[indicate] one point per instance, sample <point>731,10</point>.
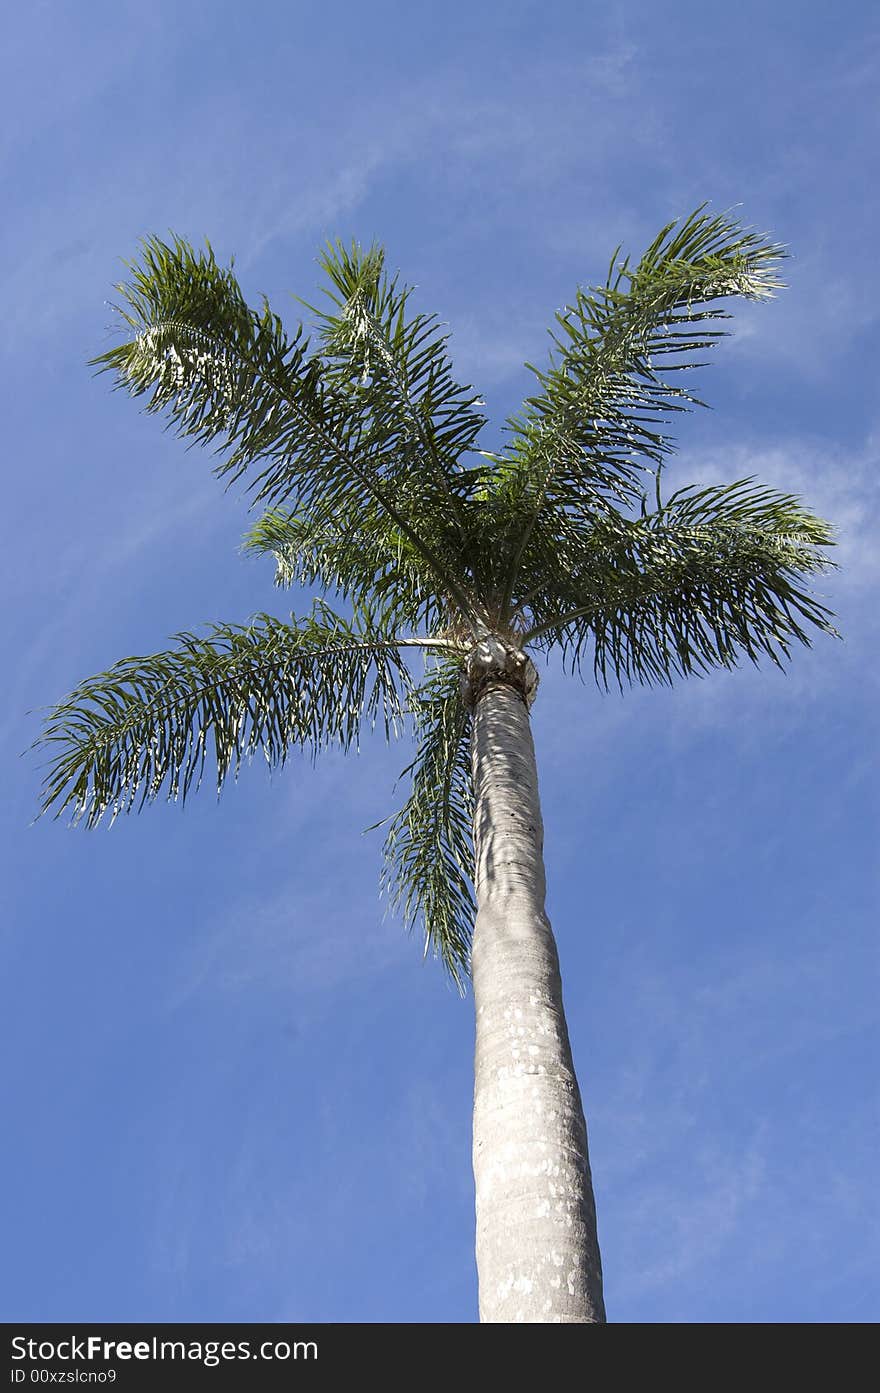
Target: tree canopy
<point>363,450</point>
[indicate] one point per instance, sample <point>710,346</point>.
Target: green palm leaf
<point>429,850</point>
<point>230,375</point>
<point>598,420</point>
<point>709,577</point>
<point>359,559</point>
<point>147,724</point>
<point>399,360</point>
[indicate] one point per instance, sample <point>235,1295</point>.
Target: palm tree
<point>363,450</point>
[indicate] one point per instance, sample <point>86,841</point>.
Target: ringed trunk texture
<point>537,1248</point>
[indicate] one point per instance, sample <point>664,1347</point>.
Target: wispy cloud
<point>303,942</point>
<point>840,484</point>
<point>319,930</point>
<point>678,1229</point>
<point>824,311</point>
<point>160,512</point>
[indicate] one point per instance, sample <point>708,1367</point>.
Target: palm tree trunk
<point>537,1249</point>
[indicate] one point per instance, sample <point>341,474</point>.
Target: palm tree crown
<point>364,451</point>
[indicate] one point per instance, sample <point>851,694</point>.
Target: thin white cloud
<point>841,485</point>
<point>82,574</point>
<point>823,311</point>
<point>325,926</point>
<point>674,1229</point>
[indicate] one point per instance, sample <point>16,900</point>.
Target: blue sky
<point>234,1091</point>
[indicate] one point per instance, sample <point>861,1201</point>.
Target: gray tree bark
<point>537,1248</point>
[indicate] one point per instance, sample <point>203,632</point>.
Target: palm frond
<point>400,361</point>
<point>711,576</point>
<point>428,865</point>
<point>147,724</point>
<point>229,375</point>
<point>225,373</point>
<point>393,362</point>
<point>599,419</point>
<point>358,559</point>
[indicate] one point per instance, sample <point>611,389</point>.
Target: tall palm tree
<point>363,448</point>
